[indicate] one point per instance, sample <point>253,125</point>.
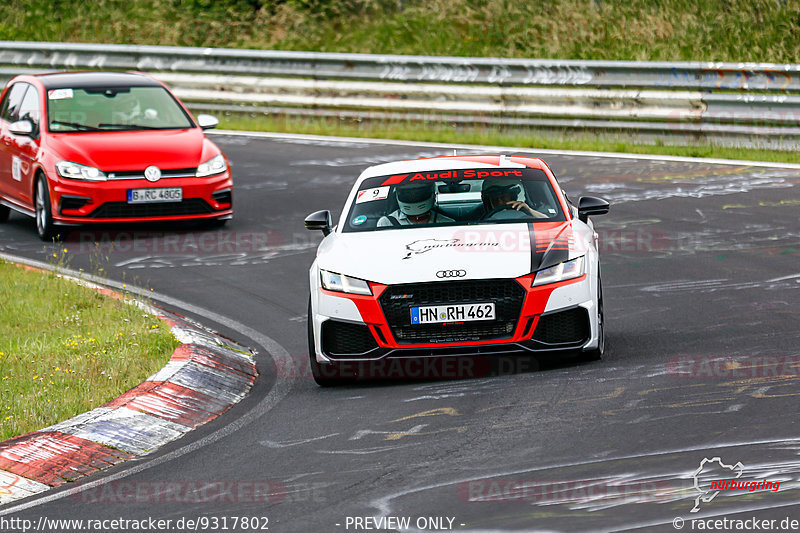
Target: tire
<point>322,375</point>
<point>4,213</point>
<point>597,353</point>
<point>44,217</point>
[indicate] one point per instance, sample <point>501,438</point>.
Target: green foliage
<point>656,30</point>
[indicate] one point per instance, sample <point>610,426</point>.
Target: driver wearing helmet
<point>126,108</point>
<point>501,200</point>
<point>415,206</point>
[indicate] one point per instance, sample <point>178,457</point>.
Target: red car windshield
<point>113,109</point>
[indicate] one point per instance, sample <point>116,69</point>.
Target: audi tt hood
<point>132,150</point>
<point>461,252</point>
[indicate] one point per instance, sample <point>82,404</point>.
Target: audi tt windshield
<point>453,197</point>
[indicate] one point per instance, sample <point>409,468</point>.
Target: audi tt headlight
<point>215,165</point>
<point>74,171</point>
<point>561,272</point>
<point>342,283</point>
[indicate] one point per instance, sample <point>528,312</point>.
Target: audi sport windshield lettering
<point>453,197</point>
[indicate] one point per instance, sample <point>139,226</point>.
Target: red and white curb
<point>205,376</point>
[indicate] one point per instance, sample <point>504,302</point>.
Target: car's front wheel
<point>597,353</point>
<point>4,212</point>
<point>44,217</point>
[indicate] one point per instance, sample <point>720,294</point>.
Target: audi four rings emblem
<point>451,274</point>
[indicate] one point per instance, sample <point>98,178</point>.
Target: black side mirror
<point>320,220</point>
<point>591,206</point>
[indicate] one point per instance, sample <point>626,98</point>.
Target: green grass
<point>65,349</point>
<point>446,133</point>
<point>658,30</point>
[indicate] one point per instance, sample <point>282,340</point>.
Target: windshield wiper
<point>79,127</point>
<point>129,127</point>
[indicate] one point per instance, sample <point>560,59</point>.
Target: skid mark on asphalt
<point>713,285</point>
<point>432,412</point>
<point>214,260</point>
<point>699,183</point>
<point>287,444</point>
<point>510,500</point>
<point>365,451</point>
<point>390,435</point>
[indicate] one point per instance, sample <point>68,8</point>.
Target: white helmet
<point>416,199</point>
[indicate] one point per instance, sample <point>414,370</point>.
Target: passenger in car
<point>416,205</point>
<point>504,199</point>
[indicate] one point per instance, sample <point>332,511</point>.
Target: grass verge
<point>448,133</point>
<point>65,349</point>
<point>662,30</point>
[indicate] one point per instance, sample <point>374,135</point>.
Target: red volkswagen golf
<point>100,147</point>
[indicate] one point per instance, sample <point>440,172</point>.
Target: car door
<point>9,113</point>
<point>25,147</point>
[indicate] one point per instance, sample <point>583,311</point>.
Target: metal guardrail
<point>746,104</point>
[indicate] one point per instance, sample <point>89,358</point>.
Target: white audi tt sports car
<point>450,257</point>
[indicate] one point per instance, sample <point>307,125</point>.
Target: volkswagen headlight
<point>215,165</point>
<point>74,171</point>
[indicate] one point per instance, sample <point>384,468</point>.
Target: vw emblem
<point>152,173</point>
<point>451,274</point>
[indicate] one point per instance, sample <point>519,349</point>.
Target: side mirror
<point>320,220</point>
<point>207,122</point>
<point>591,206</point>
<point>22,127</point>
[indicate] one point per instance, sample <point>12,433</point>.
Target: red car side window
<point>30,108</point>
<point>9,110</point>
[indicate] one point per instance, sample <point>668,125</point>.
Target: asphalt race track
<point>702,285</point>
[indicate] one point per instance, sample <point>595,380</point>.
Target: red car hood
<point>132,150</point>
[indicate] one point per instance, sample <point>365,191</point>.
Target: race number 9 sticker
<point>370,195</point>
